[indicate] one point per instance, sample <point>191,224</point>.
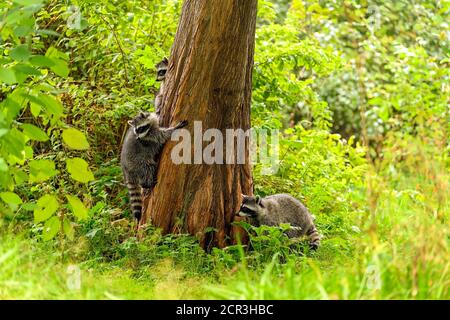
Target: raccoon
<point>161,69</point>
<point>139,157</point>
<point>281,208</point>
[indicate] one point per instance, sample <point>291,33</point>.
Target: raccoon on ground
<point>281,208</point>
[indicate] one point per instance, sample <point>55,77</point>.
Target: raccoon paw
<point>146,191</point>
<point>148,187</point>
<point>182,124</point>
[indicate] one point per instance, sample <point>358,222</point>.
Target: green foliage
<point>339,79</point>
<point>46,206</point>
<point>285,68</point>
<point>31,117</point>
<point>79,170</point>
<point>75,139</point>
<point>34,133</point>
<point>32,272</point>
<point>77,207</point>
<point>405,257</point>
<point>41,170</point>
<point>395,53</point>
<point>51,228</point>
<point>11,198</point>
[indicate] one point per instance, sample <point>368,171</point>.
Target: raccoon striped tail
<point>135,194</point>
<point>314,237</point>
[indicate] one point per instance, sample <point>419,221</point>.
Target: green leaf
<point>20,53</point>
<point>12,199</point>
<point>79,171</point>
<point>34,132</point>
<point>20,176</point>
<point>26,70</point>
<point>20,17</point>
<point>35,109</point>
<point>28,2</point>
<point>376,101</point>
<point>51,228</point>
<point>68,229</point>
<point>25,27</point>
<point>14,143</point>
<point>48,32</point>
<point>60,68</point>
<point>60,62</point>
<point>383,113</point>
<point>51,104</point>
<point>23,71</point>
<point>29,206</point>
<point>41,170</point>
<point>46,207</point>
<point>13,105</point>
<point>7,75</point>
<point>75,139</point>
<point>41,61</point>
<point>3,131</point>
<point>3,165</point>
<point>28,152</point>
<point>52,52</point>
<point>77,207</point>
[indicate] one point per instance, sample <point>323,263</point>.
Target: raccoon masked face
<point>161,69</point>
<point>143,124</point>
<point>250,206</point>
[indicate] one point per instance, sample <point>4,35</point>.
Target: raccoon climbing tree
<point>209,80</point>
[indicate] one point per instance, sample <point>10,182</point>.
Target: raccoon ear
<point>258,201</point>
<point>165,60</point>
<point>130,122</point>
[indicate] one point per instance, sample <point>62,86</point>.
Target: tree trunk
<point>209,80</point>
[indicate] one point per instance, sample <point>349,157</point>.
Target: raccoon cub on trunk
<point>161,70</point>
<point>281,208</point>
<point>140,151</point>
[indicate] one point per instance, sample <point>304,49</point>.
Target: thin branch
<point>120,48</point>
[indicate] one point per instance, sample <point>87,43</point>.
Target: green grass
<point>400,251</point>
<point>386,237</point>
<point>27,272</point>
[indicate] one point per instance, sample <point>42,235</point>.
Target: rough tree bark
<point>209,80</point>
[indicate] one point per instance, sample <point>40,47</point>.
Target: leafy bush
<point>33,129</point>
<point>358,92</point>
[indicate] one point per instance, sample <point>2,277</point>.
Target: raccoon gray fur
<point>161,70</point>
<point>139,157</point>
<point>281,208</point>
